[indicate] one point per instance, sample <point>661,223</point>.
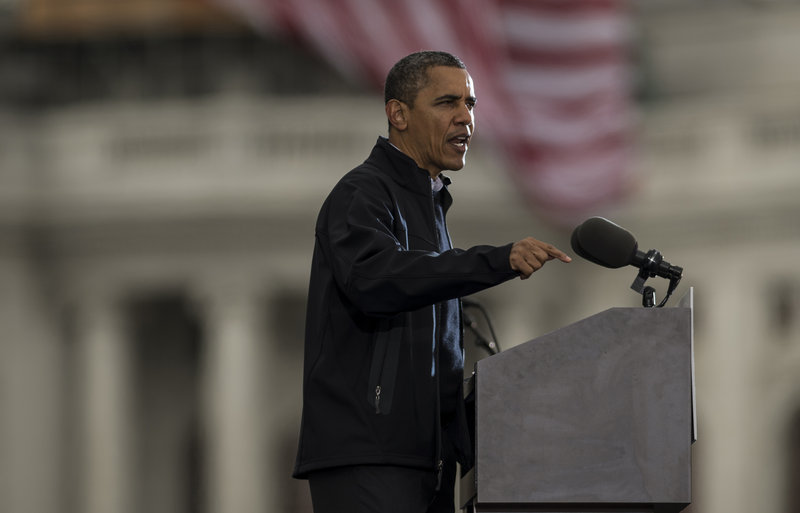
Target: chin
<point>458,166</point>
<point>453,165</point>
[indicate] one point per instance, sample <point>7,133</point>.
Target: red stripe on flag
<point>568,5</point>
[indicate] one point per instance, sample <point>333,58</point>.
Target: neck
<point>397,140</point>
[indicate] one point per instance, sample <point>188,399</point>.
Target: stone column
<point>31,402</point>
<point>104,360</point>
<point>727,390</point>
<point>234,400</point>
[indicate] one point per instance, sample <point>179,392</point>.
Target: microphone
<point>605,243</point>
<point>600,241</point>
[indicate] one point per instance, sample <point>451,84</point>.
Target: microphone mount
<point>489,344</point>
<point>651,265</point>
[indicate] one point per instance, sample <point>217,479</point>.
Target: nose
<point>464,115</point>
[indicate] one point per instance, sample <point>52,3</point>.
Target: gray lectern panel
<point>598,412</point>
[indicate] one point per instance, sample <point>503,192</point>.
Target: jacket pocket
<point>385,360</point>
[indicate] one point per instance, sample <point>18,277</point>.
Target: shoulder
<point>385,174</point>
<point>371,176</point>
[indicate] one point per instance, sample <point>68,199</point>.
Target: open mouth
<point>460,142</point>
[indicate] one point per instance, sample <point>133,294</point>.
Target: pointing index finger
<point>557,253</point>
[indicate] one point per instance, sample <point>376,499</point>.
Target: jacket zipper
<point>383,369</point>
<point>439,467</point>
<point>439,461</point>
<point>376,373</point>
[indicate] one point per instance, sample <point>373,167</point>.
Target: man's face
<point>441,122</point>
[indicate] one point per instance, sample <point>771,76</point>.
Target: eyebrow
<point>454,97</point>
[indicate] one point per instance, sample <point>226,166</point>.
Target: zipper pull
<point>378,399</point>
<point>439,471</point>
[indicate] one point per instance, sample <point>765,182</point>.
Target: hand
<point>529,255</point>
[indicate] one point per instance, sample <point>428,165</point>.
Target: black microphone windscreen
<point>600,241</point>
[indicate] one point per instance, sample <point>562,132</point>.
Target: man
<point>384,421</point>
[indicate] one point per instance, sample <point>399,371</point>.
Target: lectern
<point>597,416</point>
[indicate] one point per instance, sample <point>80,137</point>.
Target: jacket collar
<point>404,170</point>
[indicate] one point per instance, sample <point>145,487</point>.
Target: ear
<point>396,114</point>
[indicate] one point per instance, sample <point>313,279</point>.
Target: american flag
<point>552,77</point>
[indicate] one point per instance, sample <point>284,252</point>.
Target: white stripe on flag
<point>542,123</point>
<point>532,29</point>
<point>567,83</point>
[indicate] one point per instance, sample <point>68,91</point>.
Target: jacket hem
<point>302,471</point>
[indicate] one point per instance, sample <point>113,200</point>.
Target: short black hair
<point>410,74</point>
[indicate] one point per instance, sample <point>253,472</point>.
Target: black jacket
<point>370,394</point>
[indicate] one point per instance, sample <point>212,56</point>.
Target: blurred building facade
<point>161,167</point>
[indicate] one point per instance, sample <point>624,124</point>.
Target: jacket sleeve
<point>377,271</point>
